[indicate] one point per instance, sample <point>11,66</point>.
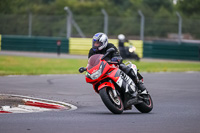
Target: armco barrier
<point>36,44</point>
<point>171,50</point>
<point>82,46</point>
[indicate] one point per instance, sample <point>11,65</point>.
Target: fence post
<point>105,21</point>
<point>141,25</point>
<point>179,27</point>
<point>68,23</point>
<point>71,21</point>
<point>78,28</point>
<point>30,24</point>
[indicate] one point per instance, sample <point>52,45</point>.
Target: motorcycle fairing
<point>122,80</point>
<point>106,84</point>
<point>105,71</point>
<point>102,66</point>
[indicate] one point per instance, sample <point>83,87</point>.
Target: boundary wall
<point>172,50</point>
<point>34,44</point>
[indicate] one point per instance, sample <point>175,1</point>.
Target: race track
<point>176,98</point>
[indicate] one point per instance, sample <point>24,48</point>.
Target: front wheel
<point>115,105</point>
<point>147,105</point>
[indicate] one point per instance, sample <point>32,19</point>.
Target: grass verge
<point>16,65</point>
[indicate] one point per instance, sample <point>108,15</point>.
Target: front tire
<point>115,105</point>
<point>147,105</point>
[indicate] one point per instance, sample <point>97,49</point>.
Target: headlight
<point>132,49</point>
<point>96,75</point>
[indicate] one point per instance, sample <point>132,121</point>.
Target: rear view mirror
<point>82,69</point>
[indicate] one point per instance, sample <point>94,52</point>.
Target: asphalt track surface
<point>175,96</point>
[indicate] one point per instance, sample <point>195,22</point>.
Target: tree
<point>189,7</point>
<point>155,5</point>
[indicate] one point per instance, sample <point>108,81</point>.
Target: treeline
<point>93,7</point>
<point>160,15</point>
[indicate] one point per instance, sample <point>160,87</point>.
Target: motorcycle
<point>128,52</point>
<point>113,85</point>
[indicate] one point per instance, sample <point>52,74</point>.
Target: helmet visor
<point>97,44</point>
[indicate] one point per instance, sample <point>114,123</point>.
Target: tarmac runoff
<point>25,104</point>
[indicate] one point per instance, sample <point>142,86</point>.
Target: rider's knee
<point>125,68</point>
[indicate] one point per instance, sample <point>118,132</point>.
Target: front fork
<point>108,84</point>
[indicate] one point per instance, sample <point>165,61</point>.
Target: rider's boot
<point>142,89</point>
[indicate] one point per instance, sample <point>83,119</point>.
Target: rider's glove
<point>115,59</point>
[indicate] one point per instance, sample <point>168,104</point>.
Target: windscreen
<point>94,60</point>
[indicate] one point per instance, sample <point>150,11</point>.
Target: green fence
<point>35,44</point>
<point>156,49</point>
<point>171,50</point>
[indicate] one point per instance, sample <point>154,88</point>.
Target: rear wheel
<point>115,105</point>
<point>147,105</point>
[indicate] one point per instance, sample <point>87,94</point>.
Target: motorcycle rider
<point>121,41</point>
<point>100,45</point>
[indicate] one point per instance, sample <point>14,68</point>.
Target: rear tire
<point>146,106</point>
<point>115,105</point>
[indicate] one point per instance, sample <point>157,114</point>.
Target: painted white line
<point>33,108</point>
<point>48,75</point>
<point>15,109</point>
<point>191,72</point>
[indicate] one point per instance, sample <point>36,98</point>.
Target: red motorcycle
<point>113,85</point>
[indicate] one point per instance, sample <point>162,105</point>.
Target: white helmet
<point>102,38</point>
<point>121,37</point>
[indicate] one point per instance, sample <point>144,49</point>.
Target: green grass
<point>168,66</point>
<point>15,65</point>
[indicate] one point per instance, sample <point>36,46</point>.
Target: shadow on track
<point>109,113</point>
